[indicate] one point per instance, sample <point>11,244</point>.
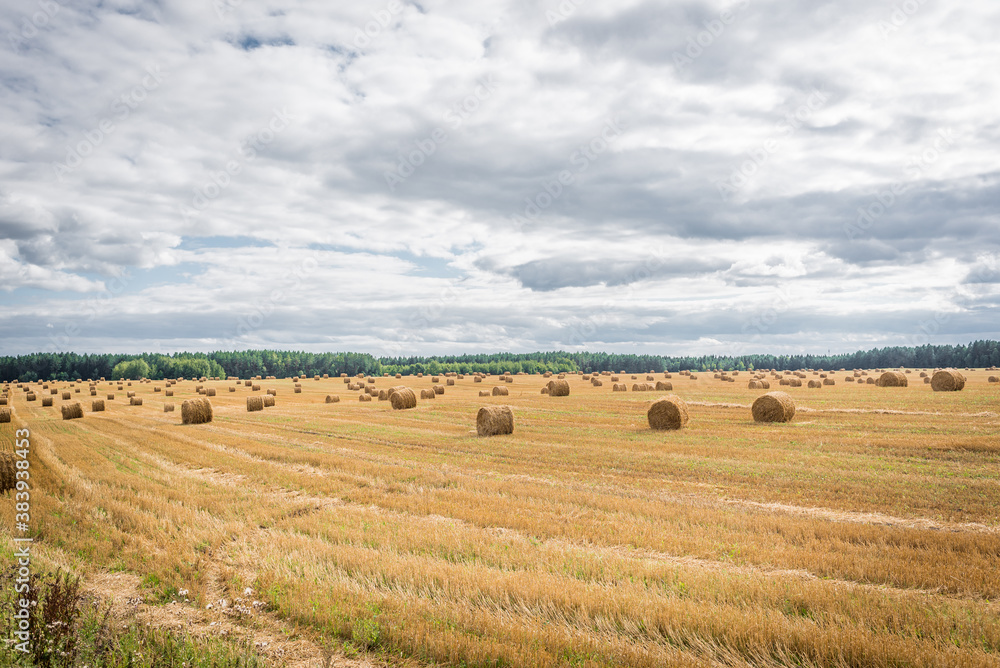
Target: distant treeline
<point>281,363</point>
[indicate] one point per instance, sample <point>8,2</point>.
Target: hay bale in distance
<point>892,379</point>
<point>664,387</point>
<point>5,415</point>
<point>668,412</point>
<point>332,399</point>
<point>97,406</point>
<point>210,392</point>
<point>196,411</point>
<point>168,408</point>
<point>948,380</point>
<point>815,384</point>
<point>545,390</point>
<point>993,379</point>
<point>268,400</point>
<point>73,411</point>
<point>619,387</point>
<point>829,381</point>
<point>364,397</point>
<point>427,394</point>
<point>495,421</point>
<point>8,471</point>
<point>111,397</point>
<point>773,407</point>
<point>66,396</point>
<point>502,391</point>
<point>438,389</point>
<point>558,388</point>
<point>46,402</point>
<point>255,403</point>
<point>135,401</point>
<point>484,393</point>
<point>403,399</point>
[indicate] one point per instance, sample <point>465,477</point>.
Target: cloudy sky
<point>445,176</point>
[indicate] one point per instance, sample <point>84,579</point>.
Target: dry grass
<point>866,532</point>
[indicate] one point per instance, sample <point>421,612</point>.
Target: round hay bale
<point>892,379</point>
<point>495,421</point>
<point>46,401</point>
<point>664,387</point>
<point>794,382</point>
<point>427,394</point>
<point>268,400</point>
<point>558,388</point>
<point>298,390</point>
<point>597,383</point>
<point>8,471</point>
<point>403,399</point>
<point>947,380</point>
<point>135,401</point>
<point>815,384</point>
<point>784,381</point>
<point>668,412</point>
<point>829,381</point>
<point>111,397</point>
<point>168,408</point>
<point>73,411</point>
<point>545,390</point>
<point>993,379</point>
<point>871,381</point>
<point>484,393</point>
<point>383,395</point>
<point>332,398</point>
<point>438,389</point>
<point>502,391</point>
<point>231,389</point>
<point>619,387</point>
<point>477,379</point>
<point>773,407</point>
<point>5,415</point>
<point>255,403</point>
<point>97,406</point>
<point>66,396</point>
<point>435,379</point>
<point>210,392</point>
<point>449,381</point>
<point>196,411</point>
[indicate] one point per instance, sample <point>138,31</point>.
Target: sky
<point>444,177</point>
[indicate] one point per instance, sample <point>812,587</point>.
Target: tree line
<point>283,363</point>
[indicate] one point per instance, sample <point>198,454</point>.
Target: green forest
<point>282,363</point>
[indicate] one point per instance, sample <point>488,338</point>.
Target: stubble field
<point>864,532</point>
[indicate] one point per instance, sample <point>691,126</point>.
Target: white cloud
<point>130,128</point>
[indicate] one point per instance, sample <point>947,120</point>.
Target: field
<point>865,532</point>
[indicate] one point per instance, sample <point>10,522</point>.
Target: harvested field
<point>865,531</point>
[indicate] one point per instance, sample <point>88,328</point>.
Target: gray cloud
<point>132,132</point>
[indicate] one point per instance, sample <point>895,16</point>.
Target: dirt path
<point>278,643</point>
